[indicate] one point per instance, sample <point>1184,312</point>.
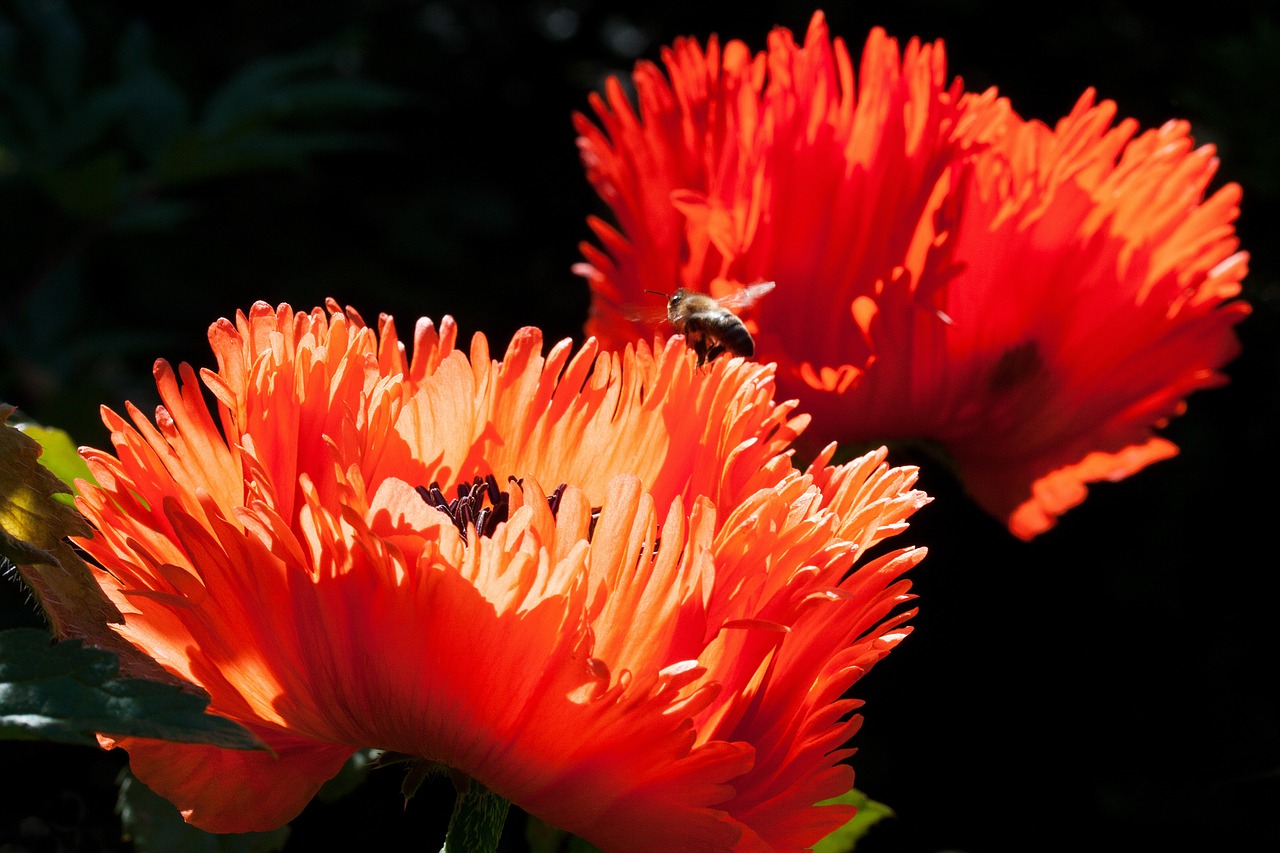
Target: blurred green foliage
<point>91,153</point>
<point>113,153</point>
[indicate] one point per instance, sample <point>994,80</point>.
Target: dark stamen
<point>553,499</point>
<point>469,506</point>
<point>484,505</point>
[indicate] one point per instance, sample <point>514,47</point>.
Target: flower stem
<point>478,816</point>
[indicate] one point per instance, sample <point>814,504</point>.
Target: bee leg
<point>714,352</point>
<point>699,345</point>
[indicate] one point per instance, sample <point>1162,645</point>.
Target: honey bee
<point>709,324</point>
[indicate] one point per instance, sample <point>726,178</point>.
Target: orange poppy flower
<point>636,620</point>
<point>1034,302</point>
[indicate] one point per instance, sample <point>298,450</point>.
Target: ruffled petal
<point>230,790</point>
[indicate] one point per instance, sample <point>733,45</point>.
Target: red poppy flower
<point>637,620</point>
<point>1035,302</point>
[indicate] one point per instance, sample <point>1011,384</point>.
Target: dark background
<point>1111,685</point>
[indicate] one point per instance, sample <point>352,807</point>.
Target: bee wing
<point>746,297</point>
<point>648,314</point>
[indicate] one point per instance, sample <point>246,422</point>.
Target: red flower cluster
<point>594,581</point>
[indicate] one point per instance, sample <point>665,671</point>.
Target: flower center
<point>483,504</point>
<point>480,503</point>
<point>1017,366</point>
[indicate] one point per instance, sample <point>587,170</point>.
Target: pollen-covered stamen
<point>483,504</point>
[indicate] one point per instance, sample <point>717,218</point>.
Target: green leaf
<point>846,837</point>
<point>34,527</point>
<point>68,692</point>
<point>155,826</point>
<point>59,455</point>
